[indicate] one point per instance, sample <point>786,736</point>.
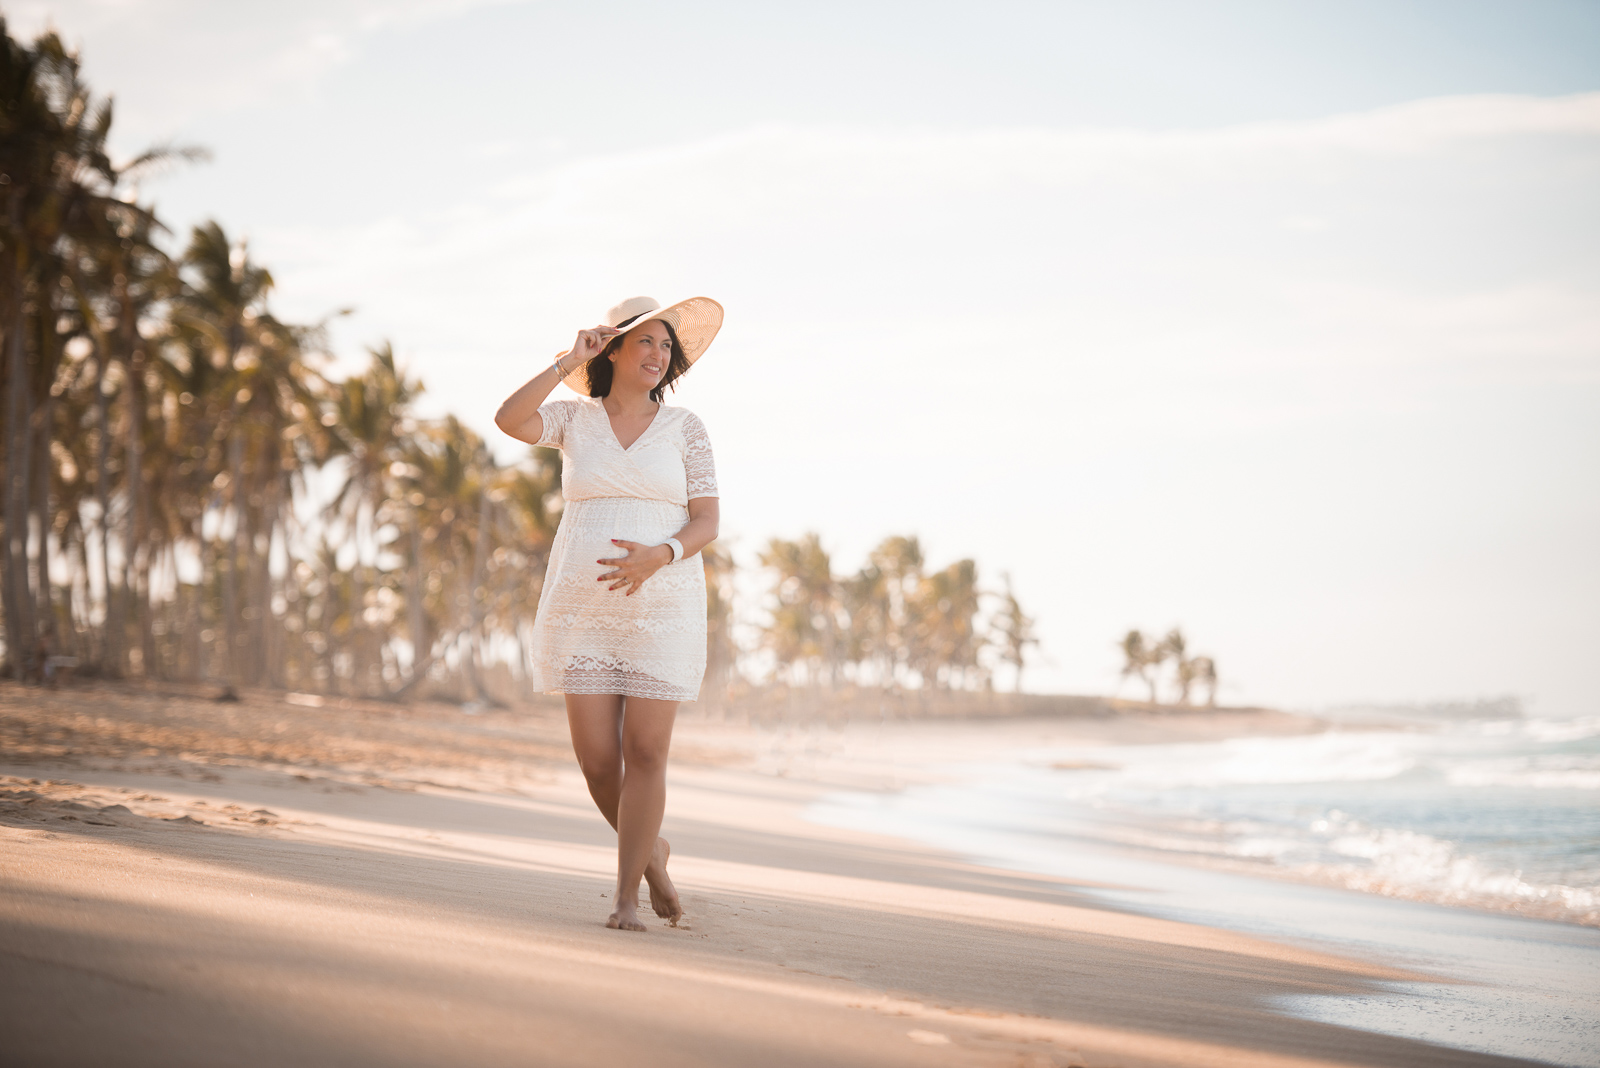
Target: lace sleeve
<point>555,415</point>
<point>698,465</point>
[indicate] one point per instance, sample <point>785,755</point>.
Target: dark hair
<point>599,367</point>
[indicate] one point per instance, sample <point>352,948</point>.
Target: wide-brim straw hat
<point>695,321</point>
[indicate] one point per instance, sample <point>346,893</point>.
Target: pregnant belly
<point>587,526</point>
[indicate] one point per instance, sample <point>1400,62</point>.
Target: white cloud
<point>1181,232</point>
<point>780,163</point>
<point>217,57</point>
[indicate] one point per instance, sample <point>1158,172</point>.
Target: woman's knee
<point>601,769</point>
<point>645,754</point>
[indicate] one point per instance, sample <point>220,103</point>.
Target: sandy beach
<point>268,882</point>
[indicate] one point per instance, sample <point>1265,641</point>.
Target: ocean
<point>1468,847</point>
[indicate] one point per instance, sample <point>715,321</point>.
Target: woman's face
<point>642,357</point>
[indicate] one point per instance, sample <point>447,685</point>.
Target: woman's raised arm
<point>519,415</point>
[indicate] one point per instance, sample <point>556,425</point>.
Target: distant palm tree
<point>531,510</point>
<point>864,598</point>
<point>898,561</point>
<point>721,650</point>
<point>1204,670</point>
<point>370,415</point>
<point>223,314</point>
<point>1175,647</point>
<point>64,227</point>
<point>56,170</point>
<point>804,633</point>
<point>1140,657</point>
<point>946,609</point>
<point>1014,631</point>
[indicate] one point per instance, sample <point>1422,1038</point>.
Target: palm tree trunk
<point>19,417</point>
<point>169,644</point>
<point>44,429</point>
<point>275,645</point>
<point>261,617</point>
<point>290,669</point>
<point>109,653</point>
<point>360,661</point>
<point>80,604</point>
<point>230,572</point>
<point>133,473</point>
<point>245,653</point>
<point>414,608</point>
<point>45,605</point>
<point>132,572</point>
<point>206,660</point>
<point>480,560</point>
<point>19,637</point>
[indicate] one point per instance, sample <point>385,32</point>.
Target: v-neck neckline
<point>612,426</point>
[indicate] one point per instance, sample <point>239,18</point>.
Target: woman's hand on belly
<point>633,569</point>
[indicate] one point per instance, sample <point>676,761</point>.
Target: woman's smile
<point>647,347</point>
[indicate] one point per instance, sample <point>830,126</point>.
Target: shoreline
<point>429,887</point>
<point>1501,982</point>
<point>998,756</point>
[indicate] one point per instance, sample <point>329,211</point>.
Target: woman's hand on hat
<point>632,570</point>
<point>590,342</point>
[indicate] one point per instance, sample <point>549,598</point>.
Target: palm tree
<point>61,212</point>
<point>142,279</point>
<point>1014,631</point>
<point>1140,657</point>
<point>531,511</point>
<point>1204,670</point>
<point>26,126</point>
<point>865,600</point>
<point>721,652</point>
<point>54,169</point>
<point>946,608</point>
<point>804,628</point>
<point>263,389</point>
<point>898,562</point>
<point>448,474</point>
<point>70,490</point>
<point>371,415</point>
<point>223,288</point>
<point>1175,647</point>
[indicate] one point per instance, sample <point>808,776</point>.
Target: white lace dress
<point>588,638</point>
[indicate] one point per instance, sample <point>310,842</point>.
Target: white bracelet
<point>677,548</point>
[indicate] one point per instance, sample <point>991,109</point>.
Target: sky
<point>1277,321</point>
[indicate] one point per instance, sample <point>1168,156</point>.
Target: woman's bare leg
<point>646,738</point>
<point>595,721</point>
<point>622,749</point>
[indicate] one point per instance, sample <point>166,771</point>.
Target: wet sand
<point>185,882</point>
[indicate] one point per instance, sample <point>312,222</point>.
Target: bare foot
<point>663,895</point>
<point>626,917</point>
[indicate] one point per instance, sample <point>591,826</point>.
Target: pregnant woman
<point>621,625</point>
